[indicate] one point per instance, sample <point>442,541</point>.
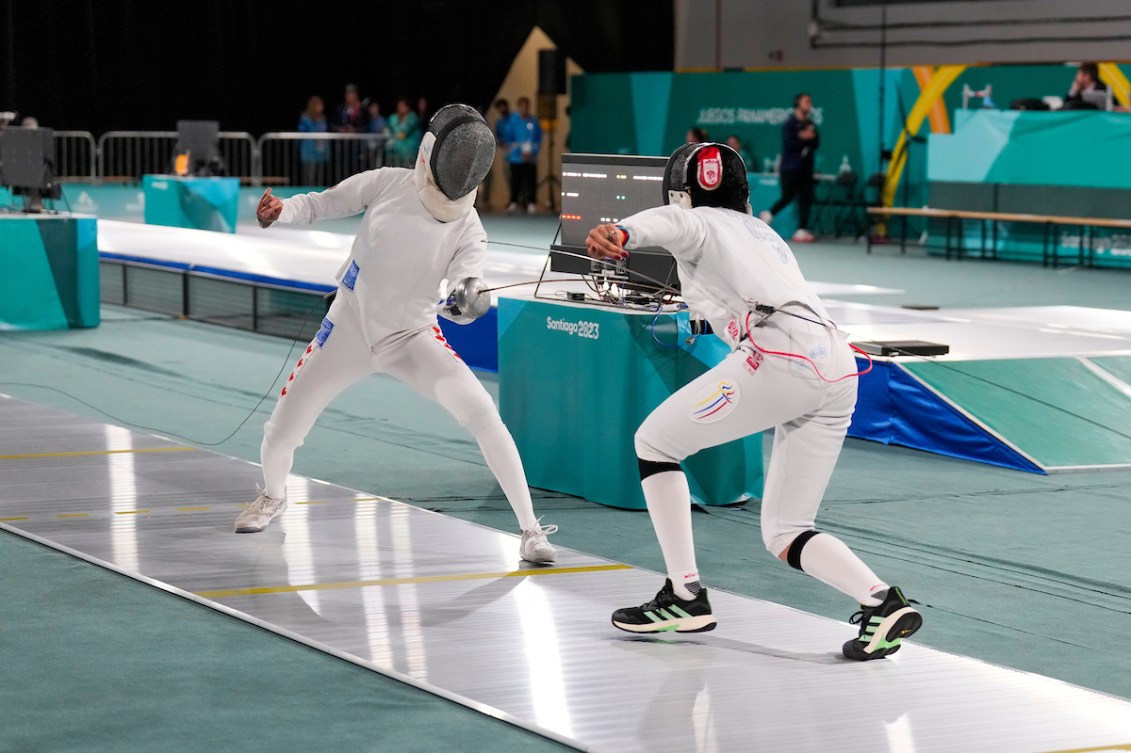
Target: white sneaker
<point>531,209</point>
<point>766,217</point>
<point>512,208</point>
<point>803,236</point>
<point>260,513</point>
<point>534,546</point>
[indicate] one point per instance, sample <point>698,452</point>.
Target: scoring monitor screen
<point>600,188</point>
<point>24,155</point>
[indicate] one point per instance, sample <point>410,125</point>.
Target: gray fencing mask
<point>463,152</point>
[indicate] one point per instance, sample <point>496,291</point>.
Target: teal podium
<point>197,203</point>
<point>50,278</point>
<point>577,380</point>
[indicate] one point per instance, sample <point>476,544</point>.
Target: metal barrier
<point>289,158</point>
<point>294,158</point>
<point>128,155</point>
<point>76,155</point>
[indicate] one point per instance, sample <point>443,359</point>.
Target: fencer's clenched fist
<point>606,242</point>
<point>468,300</point>
<point>269,209</point>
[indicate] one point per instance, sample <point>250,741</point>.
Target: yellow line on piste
<point>1120,746</point>
<point>73,515</point>
<point>404,581</point>
<point>8,520</point>
<point>129,512</point>
<point>80,453</point>
<point>193,509</point>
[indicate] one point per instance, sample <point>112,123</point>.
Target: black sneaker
<point>667,612</point>
<point>883,628</point>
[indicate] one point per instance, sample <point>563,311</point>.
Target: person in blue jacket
<point>314,154</point>
<point>523,140</point>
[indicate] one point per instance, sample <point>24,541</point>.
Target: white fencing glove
<point>468,301</point>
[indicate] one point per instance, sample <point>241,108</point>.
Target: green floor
<point>1017,569</point>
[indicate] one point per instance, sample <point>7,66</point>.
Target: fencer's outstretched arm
<point>352,196</point>
<point>680,231</point>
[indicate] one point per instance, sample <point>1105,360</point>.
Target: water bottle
<point>845,166</point>
<point>767,165</point>
<point>777,163</point>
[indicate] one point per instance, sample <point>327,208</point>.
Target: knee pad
<point>652,467</point>
<point>795,547</point>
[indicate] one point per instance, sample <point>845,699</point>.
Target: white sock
<point>498,448</point>
<point>277,464</point>
<point>669,506</point>
<point>830,561</point>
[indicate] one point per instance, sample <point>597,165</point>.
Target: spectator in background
<point>379,127</point>
<point>1087,80</point>
<point>313,154</point>
<point>496,118</point>
<point>523,138</point>
<point>423,112</point>
<point>736,144</point>
<point>696,136</point>
<point>350,118</point>
<point>799,143</point>
<point>404,136</point>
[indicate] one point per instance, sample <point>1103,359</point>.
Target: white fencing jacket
<point>401,252</point>
<point>728,261</point>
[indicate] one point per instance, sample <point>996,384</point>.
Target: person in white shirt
<point>420,231</point>
<point>790,369</point>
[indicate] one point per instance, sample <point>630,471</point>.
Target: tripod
<point>551,180</point>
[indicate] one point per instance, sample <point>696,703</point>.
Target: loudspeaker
<point>547,107</point>
<point>551,72</point>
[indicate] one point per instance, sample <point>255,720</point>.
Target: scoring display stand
<point>577,380</point>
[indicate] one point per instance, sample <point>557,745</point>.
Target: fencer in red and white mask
<point>790,369</point>
<point>419,235</point>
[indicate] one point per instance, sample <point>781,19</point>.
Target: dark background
<point>99,65</point>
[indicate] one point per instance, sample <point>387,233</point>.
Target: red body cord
<point>808,360</point>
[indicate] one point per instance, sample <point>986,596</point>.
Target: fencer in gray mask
<point>420,239</point>
<point>454,158</point>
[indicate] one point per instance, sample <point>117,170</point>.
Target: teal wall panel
<point>1079,148</point>
<point>51,274</point>
<point>197,203</point>
<point>651,98</point>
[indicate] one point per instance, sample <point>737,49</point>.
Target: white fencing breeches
<point>751,392</point>
<point>424,361</point>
